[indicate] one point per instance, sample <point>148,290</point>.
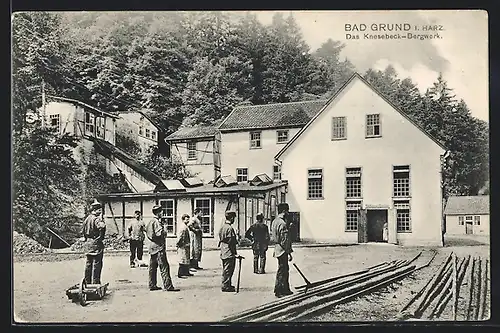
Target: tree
<point>164,167</point>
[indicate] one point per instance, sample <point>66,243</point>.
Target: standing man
<point>136,235</point>
<point>258,233</point>
<point>183,248</point>
<point>196,234</point>
<point>227,243</point>
<point>158,252</point>
<point>93,231</point>
<point>282,251</point>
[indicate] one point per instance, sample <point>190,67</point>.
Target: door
<point>362,230</point>
<point>295,226</point>
<point>468,228</point>
<point>376,219</point>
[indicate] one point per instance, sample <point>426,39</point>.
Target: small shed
<point>468,215</point>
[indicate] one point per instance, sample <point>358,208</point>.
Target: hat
<point>230,214</point>
<point>260,216</point>
<point>95,205</point>
<point>283,207</point>
<point>156,208</point>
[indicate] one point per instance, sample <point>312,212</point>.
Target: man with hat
<point>158,252</point>
<point>93,232</point>
<point>282,251</point>
<point>136,238</point>
<point>258,233</point>
<point>227,243</point>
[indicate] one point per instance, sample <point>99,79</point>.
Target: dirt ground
<point>40,283</point>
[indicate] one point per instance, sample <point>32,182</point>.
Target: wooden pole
<point>454,288</point>
<point>477,298</point>
<point>470,286</point>
<point>50,242</point>
<point>482,297</point>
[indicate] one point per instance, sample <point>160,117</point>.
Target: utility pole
<point>43,103</point>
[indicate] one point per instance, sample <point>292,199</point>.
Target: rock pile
<point>22,244</point>
<point>111,242</point>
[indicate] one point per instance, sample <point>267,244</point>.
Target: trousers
<point>136,248</point>
<point>156,260</point>
<point>282,284</point>
<point>228,266</point>
<point>259,257</point>
<point>93,268</point>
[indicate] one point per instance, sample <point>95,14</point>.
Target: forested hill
<point>193,68</point>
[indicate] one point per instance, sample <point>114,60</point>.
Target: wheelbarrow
<point>83,292</point>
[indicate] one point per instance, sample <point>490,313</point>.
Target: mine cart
<point>83,292</point>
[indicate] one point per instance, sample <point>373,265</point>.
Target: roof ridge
<point>284,103</point>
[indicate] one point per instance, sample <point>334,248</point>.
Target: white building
<point>198,148</point>
<point>359,163</point>
<point>252,135</point>
<point>468,215</point>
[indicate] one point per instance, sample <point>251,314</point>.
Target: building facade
<point>362,171</point>
<point>252,135</point>
<point>198,149</point>
<point>468,215</point>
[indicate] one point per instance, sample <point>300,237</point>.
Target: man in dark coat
<point>258,233</point>
<point>282,251</point>
<point>227,243</point>
<point>93,232</point>
<point>196,236</point>
<point>158,253</point>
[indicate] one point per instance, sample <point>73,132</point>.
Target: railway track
<point>316,297</point>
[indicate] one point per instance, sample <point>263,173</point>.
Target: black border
<point>494,76</point>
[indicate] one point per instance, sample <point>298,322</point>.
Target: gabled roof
<point>335,96</point>
<point>224,181</point>
<point>261,179</point>
<point>83,105</point>
<point>293,114</point>
<point>197,132</point>
<point>191,182</point>
<point>463,205</point>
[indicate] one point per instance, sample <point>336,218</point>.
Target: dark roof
<point>83,105</point>
<point>325,105</point>
<point>107,149</point>
<point>271,115</point>
<point>193,133</point>
<point>241,188</point>
<point>462,205</point>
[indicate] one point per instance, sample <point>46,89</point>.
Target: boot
<point>186,271</point>
<point>180,272</point>
<point>256,265</point>
<point>262,265</point>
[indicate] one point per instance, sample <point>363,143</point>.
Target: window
<point>339,128</point>
<point>242,174</point>
<point>255,140</point>
<point>89,123</point>
<point>373,125</point>
<point>468,218</point>
<point>153,135</point>
<point>141,130</point>
<point>353,183</point>
<point>477,220</point>
<point>55,121</point>
<point>206,217</point>
<point>147,133</point>
<point>460,220</point>
<point>352,215</point>
<point>403,218</point>
<point>315,184</point>
<point>191,147</point>
<point>282,136</point>
<point>100,127</point>
<point>167,207</point>
<point>276,172</point>
<point>401,176</point>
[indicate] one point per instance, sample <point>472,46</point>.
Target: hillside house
<point>80,119</point>
<point>251,135</point>
<point>96,130</point>
<point>468,215</point>
<point>361,165</point>
<point>178,197</point>
<point>198,148</point>
<point>141,128</point>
